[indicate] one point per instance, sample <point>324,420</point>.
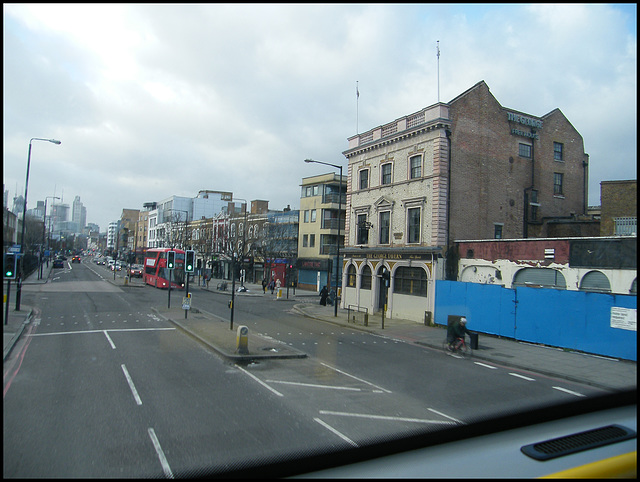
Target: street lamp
<point>44,222</point>
<point>24,219</point>
<point>233,260</point>
<point>335,303</point>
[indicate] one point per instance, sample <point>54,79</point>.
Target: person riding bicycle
<point>457,330</point>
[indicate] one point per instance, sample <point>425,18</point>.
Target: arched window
<point>365,280</point>
<point>540,277</point>
<point>410,281</point>
<point>351,276</point>
<point>595,281</point>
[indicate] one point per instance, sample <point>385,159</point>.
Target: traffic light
<point>189,261</point>
<point>386,277</point>
<point>9,266</point>
<point>171,259</point>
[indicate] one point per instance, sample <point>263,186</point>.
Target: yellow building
<point>319,230</point>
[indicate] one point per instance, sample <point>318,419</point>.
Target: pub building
<point>469,169</point>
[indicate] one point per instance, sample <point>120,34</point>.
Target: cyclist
<point>457,330</point>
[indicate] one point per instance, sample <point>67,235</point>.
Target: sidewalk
<point>216,332</point>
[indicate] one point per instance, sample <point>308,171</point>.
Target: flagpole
<point>438,54</point>
<point>357,100</point>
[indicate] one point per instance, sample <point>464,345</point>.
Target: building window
<point>415,163</point>
<point>365,279</point>
<point>413,225</point>
<point>497,231</point>
<point>305,240</point>
<point>557,152</point>
<point>557,183</point>
<point>313,215</point>
<point>312,240</point>
<point>410,281</point>
<point>351,276</point>
<point>362,232</point>
<point>306,216</point>
<point>524,150</point>
<point>364,179</point>
<point>386,174</point>
<point>385,218</point>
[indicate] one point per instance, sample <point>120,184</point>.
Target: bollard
<point>279,295</point>
<point>242,340</point>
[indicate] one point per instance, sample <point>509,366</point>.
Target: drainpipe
<point>525,227</point>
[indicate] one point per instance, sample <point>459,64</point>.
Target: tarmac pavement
<point>217,333</point>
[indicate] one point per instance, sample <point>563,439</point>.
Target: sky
<point>151,101</point>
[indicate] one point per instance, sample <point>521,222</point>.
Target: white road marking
<point>259,381</point>
<point>384,417</point>
<point>109,339</point>
<point>355,378</point>
<point>486,366</point>
<point>100,331</point>
<point>523,377</point>
<point>446,416</point>
<point>131,385</point>
<point>312,385</point>
<point>569,392</point>
<point>163,460</point>
<point>333,430</point>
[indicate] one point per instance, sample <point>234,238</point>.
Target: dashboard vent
<point>569,444</point>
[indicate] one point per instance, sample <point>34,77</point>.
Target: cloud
<point>156,100</point>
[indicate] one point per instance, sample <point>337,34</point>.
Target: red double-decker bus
<point>156,272</point>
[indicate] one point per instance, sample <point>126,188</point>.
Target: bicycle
<point>458,348</point>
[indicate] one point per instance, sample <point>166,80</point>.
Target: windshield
<point>345,183</point>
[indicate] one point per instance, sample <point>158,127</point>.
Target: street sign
<point>14,249</point>
<point>186,302</point>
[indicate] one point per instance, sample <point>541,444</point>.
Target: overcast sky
<point>151,101</point>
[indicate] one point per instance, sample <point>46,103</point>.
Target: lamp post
<point>233,261</point>
<point>24,220</point>
<point>44,222</point>
<point>335,303</point>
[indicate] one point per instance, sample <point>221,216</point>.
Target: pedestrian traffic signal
<point>189,260</point>
<point>386,277</point>
<point>171,259</point>
<point>9,266</point>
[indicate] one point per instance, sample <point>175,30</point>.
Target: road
<point>102,387</point>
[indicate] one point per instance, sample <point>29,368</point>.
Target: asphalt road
<point>102,387</point>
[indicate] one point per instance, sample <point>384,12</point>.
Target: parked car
<point>75,259</point>
<point>135,270</point>
<point>58,263</point>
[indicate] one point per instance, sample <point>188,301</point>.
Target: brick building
<point>619,211</point>
<point>467,169</point>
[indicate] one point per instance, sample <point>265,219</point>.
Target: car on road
<point>116,266</point>
<point>135,270</point>
<point>58,263</point>
<point>75,259</point>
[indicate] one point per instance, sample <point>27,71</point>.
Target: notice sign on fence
<point>623,318</point>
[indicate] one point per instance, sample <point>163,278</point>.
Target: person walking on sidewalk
<point>264,285</point>
<point>323,296</point>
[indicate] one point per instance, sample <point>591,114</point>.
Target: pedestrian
<point>208,279</point>
<point>278,283</point>
<point>264,285</point>
<point>323,296</point>
<point>272,285</point>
